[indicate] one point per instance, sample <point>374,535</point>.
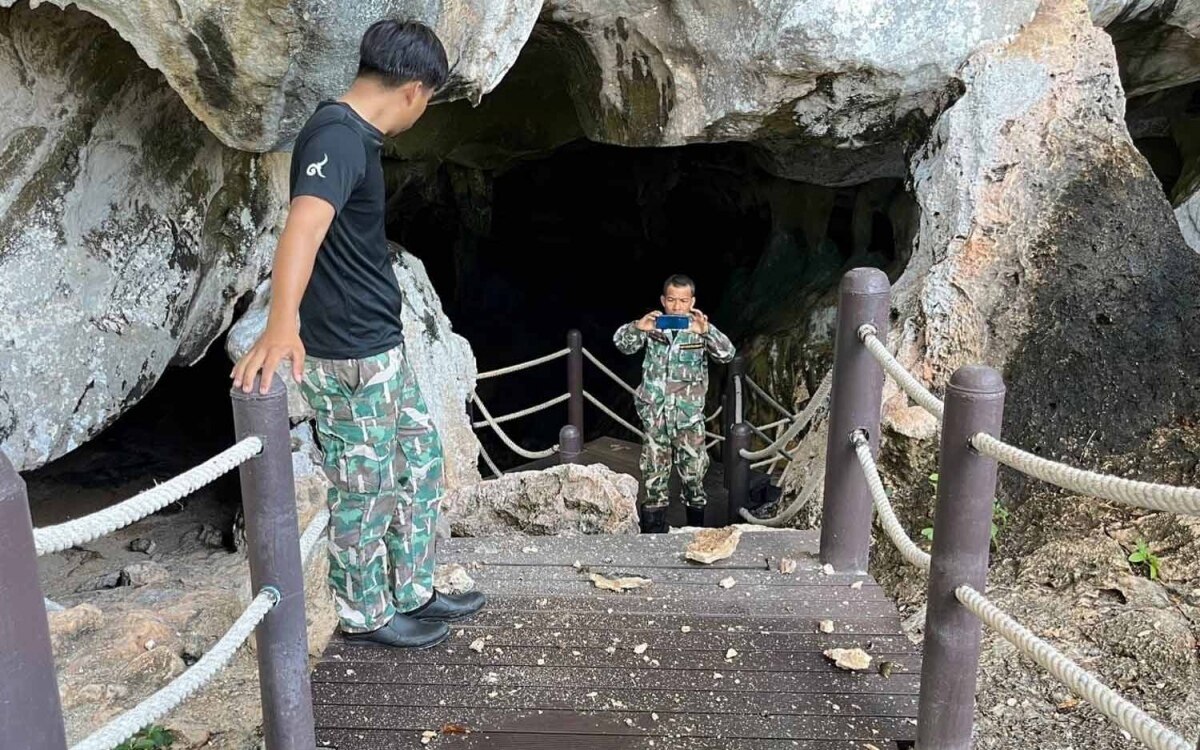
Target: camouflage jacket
<point>675,369</point>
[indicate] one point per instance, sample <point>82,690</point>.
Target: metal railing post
<point>730,413</point>
<point>30,712</point>
<point>273,545</point>
<point>855,401</point>
<point>961,539</point>
<point>570,444</point>
<point>575,379</point>
<point>738,471</point>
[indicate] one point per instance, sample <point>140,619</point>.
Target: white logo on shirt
<point>316,166</point>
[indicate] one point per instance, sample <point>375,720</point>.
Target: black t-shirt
<point>351,308</point>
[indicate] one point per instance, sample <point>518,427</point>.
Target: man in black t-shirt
<point>335,314</point>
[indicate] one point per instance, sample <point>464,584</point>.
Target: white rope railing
<point>612,375</point>
<point>312,536</point>
<point>1162,497</point>
<point>64,536</point>
<point>523,365</point>
<point>776,423</point>
<point>157,705</point>
<point>815,482</point>
<point>770,449</point>
<point>1125,714</point>
<point>490,463</point>
<point>903,378</point>
<point>819,400</point>
<point>525,412</point>
<point>532,455</point>
<point>714,436</point>
<point>913,554</point>
<point>1169,498</point>
<point>711,443</point>
<point>616,417</point>
<point>758,390</point>
<point>715,414</point>
<point>217,658</point>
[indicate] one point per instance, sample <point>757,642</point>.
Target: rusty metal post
<point>731,412</point>
<point>855,402</point>
<point>738,471</point>
<point>273,545</point>
<point>961,539</point>
<point>30,712</point>
<point>575,379</point>
<point>570,444</point>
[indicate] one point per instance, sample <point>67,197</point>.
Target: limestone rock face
<point>830,88</point>
<point>252,70</point>
<point>847,77</point>
<point>127,231</point>
<point>1047,248</point>
<point>1157,41</point>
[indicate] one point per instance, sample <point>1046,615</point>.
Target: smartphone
<point>672,322</point>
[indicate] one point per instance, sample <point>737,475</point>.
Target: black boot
<point>403,632</point>
<point>654,520</point>
<point>695,515</point>
<point>449,607</point>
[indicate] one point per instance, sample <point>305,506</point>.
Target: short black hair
<point>397,52</point>
<point>678,279</point>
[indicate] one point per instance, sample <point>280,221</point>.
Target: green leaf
<point>927,532</point>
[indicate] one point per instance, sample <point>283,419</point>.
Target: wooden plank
<point>620,722</point>
<point>622,657</point>
<point>699,575</point>
<point>375,739</point>
<point>753,605</point>
<point>546,678</point>
<point>563,550</point>
<point>702,592</point>
<point>595,678</point>
<point>693,640</point>
<point>660,701</point>
<point>787,623</point>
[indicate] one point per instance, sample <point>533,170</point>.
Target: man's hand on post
<point>271,348</point>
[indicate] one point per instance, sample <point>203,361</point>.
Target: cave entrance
<point>184,420</point>
<point>583,237</point>
<point>528,228</point>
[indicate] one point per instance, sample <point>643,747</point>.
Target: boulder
<point>560,501</point>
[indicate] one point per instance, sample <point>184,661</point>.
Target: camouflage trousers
<point>383,456</point>
<point>668,444</point>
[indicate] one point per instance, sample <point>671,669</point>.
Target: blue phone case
<point>672,322</point>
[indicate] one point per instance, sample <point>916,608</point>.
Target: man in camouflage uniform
<point>384,458</point>
<point>335,315</point>
<point>670,400</point>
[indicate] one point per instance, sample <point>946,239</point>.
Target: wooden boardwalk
<point>623,456</point>
<point>683,663</point>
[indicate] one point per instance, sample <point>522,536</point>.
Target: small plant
<point>1000,515</point>
<point>927,532</point>
<point>1143,556</point>
<point>152,737</point>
